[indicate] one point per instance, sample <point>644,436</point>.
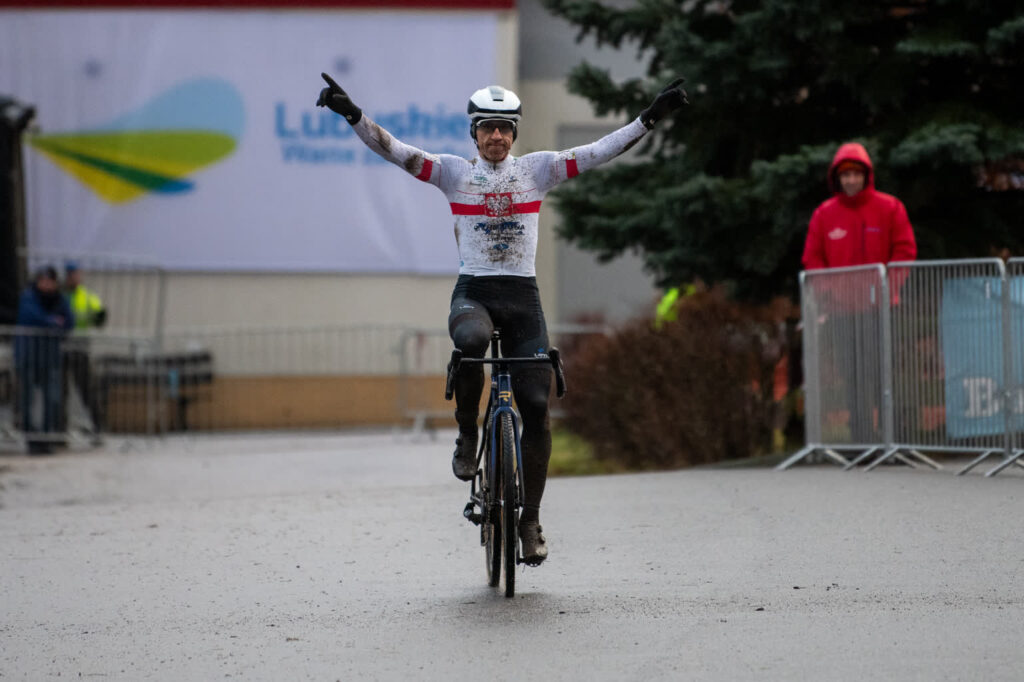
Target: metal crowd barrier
<point>1015,362</point>
<point>912,358</point>
<point>272,378</point>
<point>72,389</point>
<point>52,391</point>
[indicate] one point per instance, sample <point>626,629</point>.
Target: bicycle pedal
<point>471,515</point>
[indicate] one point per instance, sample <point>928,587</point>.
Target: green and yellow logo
<point>155,148</point>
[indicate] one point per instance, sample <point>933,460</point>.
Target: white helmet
<point>494,102</point>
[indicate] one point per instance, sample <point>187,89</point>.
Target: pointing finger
<point>330,82</point>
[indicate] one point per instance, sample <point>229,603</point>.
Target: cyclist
<point>495,199</point>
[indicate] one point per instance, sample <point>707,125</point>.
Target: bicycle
<point>496,492</point>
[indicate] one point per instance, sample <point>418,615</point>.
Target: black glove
<point>668,100</point>
<point>337,100</point>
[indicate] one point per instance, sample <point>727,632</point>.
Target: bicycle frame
<point>499,404</point>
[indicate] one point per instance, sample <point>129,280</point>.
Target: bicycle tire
<point>509,515</point>
<point>491,528</point>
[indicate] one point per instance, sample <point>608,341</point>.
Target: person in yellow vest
<point>85,304</point>
<point>666,310</point>
<point>89,314</point>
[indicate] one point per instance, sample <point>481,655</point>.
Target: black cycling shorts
<point>505,302</point>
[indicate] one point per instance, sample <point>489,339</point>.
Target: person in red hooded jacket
<point>857,226</point>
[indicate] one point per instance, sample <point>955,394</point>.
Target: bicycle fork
<point>501,388</point>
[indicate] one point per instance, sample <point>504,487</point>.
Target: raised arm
<point>418,163</point>
<point>557,167</point>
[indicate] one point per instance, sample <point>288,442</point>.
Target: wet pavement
<point>345,557</point>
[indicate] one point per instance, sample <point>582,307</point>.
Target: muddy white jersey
<point>496,205</point>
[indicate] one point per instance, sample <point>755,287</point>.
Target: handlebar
<point>552,357</point>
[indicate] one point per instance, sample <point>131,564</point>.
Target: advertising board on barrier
<point>972,347</point>
<point>192,137</point>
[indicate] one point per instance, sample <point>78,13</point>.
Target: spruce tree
<point>724,190</point>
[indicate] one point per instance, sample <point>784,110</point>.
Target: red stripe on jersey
<point>481,209</point>
<point>468,209</point>
<point>428,166</point>
<point>571,169</point>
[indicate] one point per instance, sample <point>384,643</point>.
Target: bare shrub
<point>697,390</point>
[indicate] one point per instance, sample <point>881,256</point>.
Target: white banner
<point>192,137</point>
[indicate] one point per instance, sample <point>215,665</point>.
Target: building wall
<point>298,299</point>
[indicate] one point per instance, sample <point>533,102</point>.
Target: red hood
<point>851,151</point>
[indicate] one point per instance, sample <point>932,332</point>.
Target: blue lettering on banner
<point>311,125</point>
<point>304,133</point>
<point>300,153</point>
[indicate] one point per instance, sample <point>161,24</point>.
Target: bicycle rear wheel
<point>509,512</point>
<point>491,526</point>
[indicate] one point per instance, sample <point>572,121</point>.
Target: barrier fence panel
<point>60,388</point>
<point>948,356</point>
<point>1014,333</point>
<point>280,378</point>
<point>844,312</point>
<point>54,393</point>
<point>423,359</point>
<point>949,362</point>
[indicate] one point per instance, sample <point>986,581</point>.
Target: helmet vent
<point>497,93</point>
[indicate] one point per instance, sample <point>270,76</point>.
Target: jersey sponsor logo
<point>837,233</point>
<point>506,226</point>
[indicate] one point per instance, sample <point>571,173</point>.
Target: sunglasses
<point>503,127</point>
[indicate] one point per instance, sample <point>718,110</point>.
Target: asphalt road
<point>344,558</point>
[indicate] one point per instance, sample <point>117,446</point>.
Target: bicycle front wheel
<point>491,527</point>
<point>509,510</point>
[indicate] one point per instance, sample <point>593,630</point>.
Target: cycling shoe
<point>464,459</point>
<point>535,548</point>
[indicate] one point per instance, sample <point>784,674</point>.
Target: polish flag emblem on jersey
<point>837,233</point>
<point>498,205</point>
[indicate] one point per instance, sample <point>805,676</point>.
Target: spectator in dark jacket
<point>45,318</point>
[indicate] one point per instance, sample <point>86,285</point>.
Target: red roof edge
<point>260,4</point>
